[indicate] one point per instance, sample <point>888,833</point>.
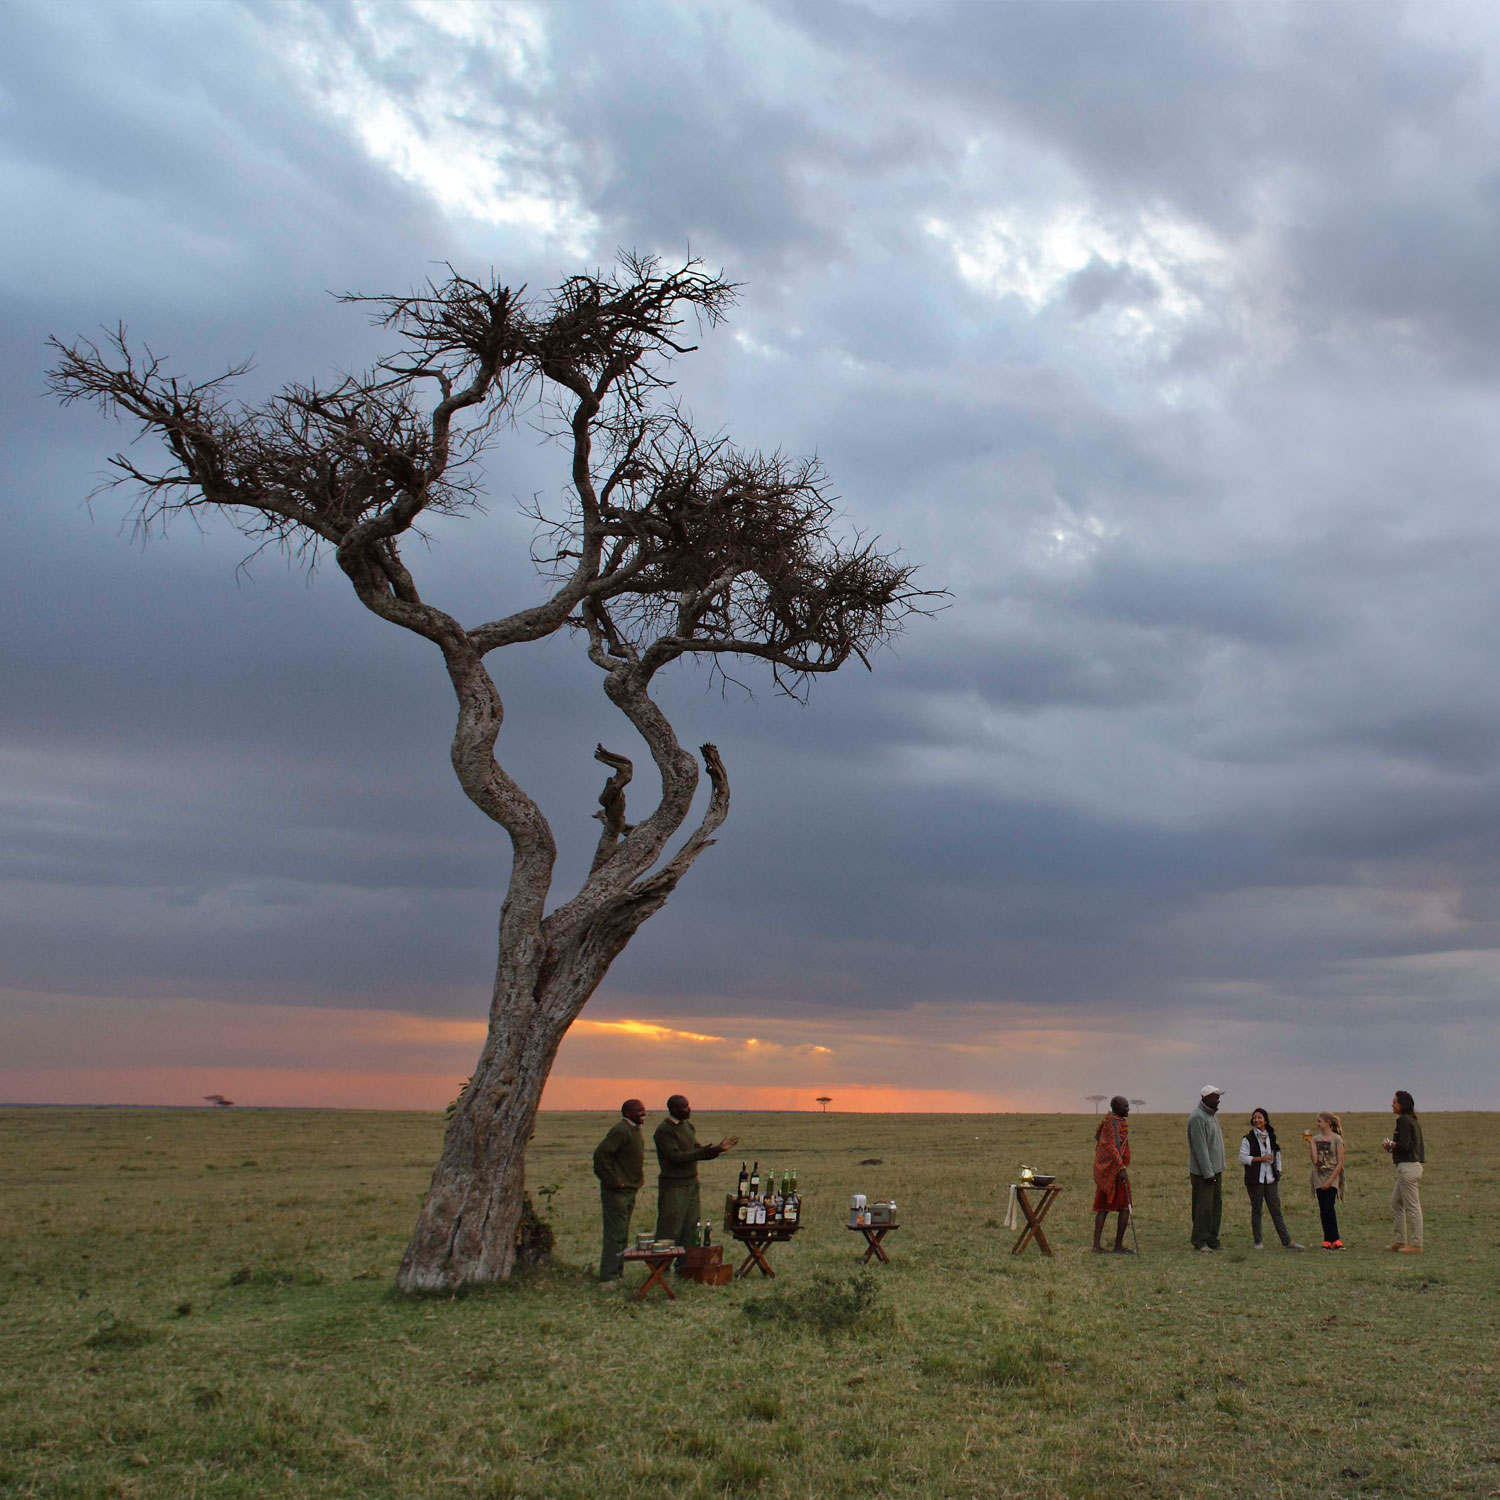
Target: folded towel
<point>1013,1210</point>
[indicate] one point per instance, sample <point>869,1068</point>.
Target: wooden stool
<point>1034,1216</point>
<point>656,1261</point>
<point>873,1234</point>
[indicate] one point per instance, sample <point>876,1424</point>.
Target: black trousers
<point>1269,1195</point>
<point>1327,1199</point>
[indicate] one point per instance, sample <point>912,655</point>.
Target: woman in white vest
<point>1260,1156</point>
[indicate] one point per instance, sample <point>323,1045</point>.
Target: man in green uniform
<point>620,1166</point>
<point>678,1154</point>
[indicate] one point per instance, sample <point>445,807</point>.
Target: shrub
<point>118,1333</point>
<point>826,1305</point>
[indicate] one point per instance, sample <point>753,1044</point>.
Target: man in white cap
<point>1206,1168</point>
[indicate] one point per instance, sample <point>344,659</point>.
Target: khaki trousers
<point>1406,1203</point>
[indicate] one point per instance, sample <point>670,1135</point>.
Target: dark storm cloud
<point>1161,334</point>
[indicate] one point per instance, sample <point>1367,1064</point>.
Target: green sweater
<point>1409,1145</point>
<point>1205,1143</point>
<point>620,1158</point>
<point>678,1152</point>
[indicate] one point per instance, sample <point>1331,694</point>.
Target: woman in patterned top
<point>1325,1148</point>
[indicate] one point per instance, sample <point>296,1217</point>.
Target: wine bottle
<point>755,1181</point>
<point>744,1184</point>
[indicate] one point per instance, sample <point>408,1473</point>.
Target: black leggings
<point>1327,1199</point>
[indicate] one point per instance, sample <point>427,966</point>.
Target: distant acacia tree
<point>218,1101</point>
<point>1138,1104</point>
<point>825,1100</point>
<point>1097,1100</point>
<point>669,543</point>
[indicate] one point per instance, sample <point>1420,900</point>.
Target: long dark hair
<point>1407,1103</point>
<point>1270,1129</point>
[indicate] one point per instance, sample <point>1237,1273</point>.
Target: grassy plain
<point>199,1304</point>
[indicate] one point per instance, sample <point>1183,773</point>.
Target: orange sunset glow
<point>176,1052</point>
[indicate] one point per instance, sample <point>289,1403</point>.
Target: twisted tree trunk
<point>549,967</point>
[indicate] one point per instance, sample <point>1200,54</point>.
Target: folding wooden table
<point>1034,1215</point>
<point>756,1238</point>
<point>655,1261</point>
<point>873,1234</point>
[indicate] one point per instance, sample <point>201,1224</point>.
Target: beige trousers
<point>1406,1203</point>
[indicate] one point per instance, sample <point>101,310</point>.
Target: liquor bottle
<point>708,1232</point>
<point>698,1233</point>
<point>771,1184</point>
<point>792,1207</point>
<point>742,1211</point>
<point>755,1181</point>
<point>744,1184</point>
<point>794,1179</point>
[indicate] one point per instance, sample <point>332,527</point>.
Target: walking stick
<point>1130,1201</point>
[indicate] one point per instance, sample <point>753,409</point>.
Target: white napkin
<point>1013,1210</point>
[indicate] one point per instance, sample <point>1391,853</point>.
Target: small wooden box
<point>701,1263</point>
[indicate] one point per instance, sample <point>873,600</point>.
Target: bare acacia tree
<point>1097,1100</point>
<point>667,543</point>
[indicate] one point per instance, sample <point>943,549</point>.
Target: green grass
<point>199,1304</point>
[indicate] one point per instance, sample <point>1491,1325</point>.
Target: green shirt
<point>678,1152</point>
<point>620,1158</point>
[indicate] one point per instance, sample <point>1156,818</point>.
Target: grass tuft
<point>764,1406</point>
<point>274,1278</point>
<point>1020,1361</point>
<point>740,1472</point>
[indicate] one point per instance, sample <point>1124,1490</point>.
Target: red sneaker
<point>1338,1244</point>
<point>1328,1244</point>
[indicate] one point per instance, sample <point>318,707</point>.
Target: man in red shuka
<point>1111,1185</point>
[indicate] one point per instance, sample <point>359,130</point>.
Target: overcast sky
<point>1165,336</point>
